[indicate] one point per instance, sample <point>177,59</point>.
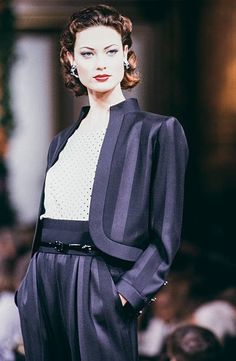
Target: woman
<point>110,213</point>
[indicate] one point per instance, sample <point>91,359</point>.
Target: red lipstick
<point>102,77</point>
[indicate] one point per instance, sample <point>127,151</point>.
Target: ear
<point>70,57</point>
<point>126,48</point>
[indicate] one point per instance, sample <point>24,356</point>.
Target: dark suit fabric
<point>137,197</point>
<point>69,306</point>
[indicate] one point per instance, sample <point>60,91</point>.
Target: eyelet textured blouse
<point>69,182</point>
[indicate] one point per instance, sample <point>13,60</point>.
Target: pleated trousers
<point>69,306</point>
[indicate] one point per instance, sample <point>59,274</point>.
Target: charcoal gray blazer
<point>137,197</point>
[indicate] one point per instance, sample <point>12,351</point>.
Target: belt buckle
<point>59,246</point>
<point>87,248</point>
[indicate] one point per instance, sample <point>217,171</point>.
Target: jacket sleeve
<point>140,283</point>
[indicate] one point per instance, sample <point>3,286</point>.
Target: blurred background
<point>187,60</point>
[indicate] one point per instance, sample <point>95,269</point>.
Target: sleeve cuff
<point>135,299</point>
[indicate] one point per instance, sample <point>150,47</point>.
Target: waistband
<point>66,231</point>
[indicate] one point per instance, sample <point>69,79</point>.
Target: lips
<point>102,77</point>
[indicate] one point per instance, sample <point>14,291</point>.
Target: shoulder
<point>157,120</point>
<point>166,131</point>
<point>159,124</point>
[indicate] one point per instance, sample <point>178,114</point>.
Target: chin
<point>102,89</point>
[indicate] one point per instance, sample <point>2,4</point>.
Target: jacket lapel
<point>99,191</point>
<point>66,136</point>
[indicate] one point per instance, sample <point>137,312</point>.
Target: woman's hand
<point>123,300</point>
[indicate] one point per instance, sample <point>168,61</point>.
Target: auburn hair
<point>94,16</point>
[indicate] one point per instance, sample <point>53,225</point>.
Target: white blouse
<point>69,182</point>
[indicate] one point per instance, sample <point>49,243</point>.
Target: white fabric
<point>10,330</point>
<point>69,181</point>
<point>217,316</point>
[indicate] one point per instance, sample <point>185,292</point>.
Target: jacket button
<point>153,299</point>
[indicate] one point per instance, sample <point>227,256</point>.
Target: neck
<point>100,103</point>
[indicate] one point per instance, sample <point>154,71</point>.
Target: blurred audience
<point>217,316</point>
<point>165,314</point>
<point>229,295</point>
<point>200,292</point>
<point>193,343</point>
<point>10,332</point>
<point>7,245</point>
<point>14,259</point>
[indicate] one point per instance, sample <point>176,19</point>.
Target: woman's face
<point>98,51</point>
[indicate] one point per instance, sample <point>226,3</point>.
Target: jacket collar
<point>117,112</point>
<point>127,105</point>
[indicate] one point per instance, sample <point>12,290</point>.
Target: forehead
<point>98,37</point>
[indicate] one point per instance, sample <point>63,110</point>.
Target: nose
<point>99,67</point>
<point>101,63</point>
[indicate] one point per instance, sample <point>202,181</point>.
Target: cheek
<point>84,71</point>
<point>118,69</point>
<point>118,63</point>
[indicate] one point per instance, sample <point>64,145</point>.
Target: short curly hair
<point>94,16</point>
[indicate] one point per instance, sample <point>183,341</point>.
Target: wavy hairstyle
<point>94,16</point>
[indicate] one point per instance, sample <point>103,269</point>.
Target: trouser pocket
<point>116,273</point>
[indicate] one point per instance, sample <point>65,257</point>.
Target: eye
<point>112,52</point>
<point>87,54</point>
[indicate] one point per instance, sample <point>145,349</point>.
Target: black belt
<point>64,247</point>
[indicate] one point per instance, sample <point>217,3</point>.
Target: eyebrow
<point>87,47</point>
